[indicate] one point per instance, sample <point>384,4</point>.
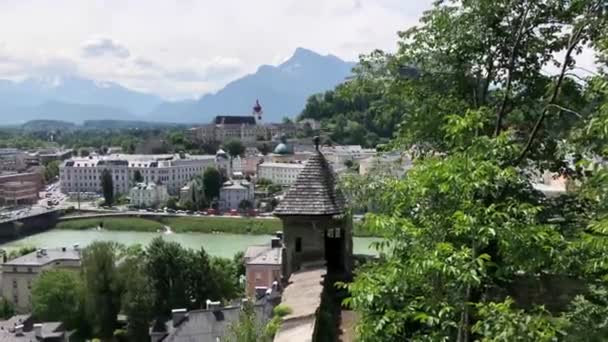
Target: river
<point>220,244</point>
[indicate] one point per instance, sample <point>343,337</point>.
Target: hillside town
<point>428,171</point>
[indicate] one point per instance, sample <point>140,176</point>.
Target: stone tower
<point>316,228</point>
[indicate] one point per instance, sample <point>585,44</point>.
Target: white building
<point>174,171</point>
<point>280,173</point>
<point>338,155</point>
<point>19,274</point>
<point>146,195</point>
<point>234,192</point>
<point>394,163</point>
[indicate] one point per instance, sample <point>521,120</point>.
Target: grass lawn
<point>199,224</point>
<point>179,224</point>
<point>112,223</point>
<point>232,225</point>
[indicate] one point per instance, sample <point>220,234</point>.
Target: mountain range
<point>282,90</point>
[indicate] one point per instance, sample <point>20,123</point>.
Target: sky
<point>185,48</point>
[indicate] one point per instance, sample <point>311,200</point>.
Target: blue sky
<point>184,48</point>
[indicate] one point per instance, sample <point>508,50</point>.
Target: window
<point>14,269</point>
<point>14,283</point>
<point>258,276</point>
<point>298,244</point>
<point>29,269</point>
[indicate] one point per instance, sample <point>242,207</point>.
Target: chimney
<point>279,234</point>
<point>213,305</point>
<point>19,330</point>
<point>43,251</point>
<point>275,243</point>
<point>260,291</point>
<point>178,315</point>
<point>63,249</point>
<point>38,330</point>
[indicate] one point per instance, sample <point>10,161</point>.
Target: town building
<point>263,265</point>
<point>280,173</point>
<point>233,192</point>
<point>50,154</point>
<point>316,231</point>
<point>246,128</point>
<point>314,124</point>
<point>172,170</point>
<point>33,175</point>
<point>21,328</point>
<point>12,159</point>
<point>211,324</point>
<point>392,163</point>
<point>338,155</point>
<point>19,274</point>
<point>148,195</point>
<point>19,192</point>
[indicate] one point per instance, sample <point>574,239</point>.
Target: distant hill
<point>126,124</point>
<point>282,90</point>
<point>70,99</point>
<point>47,125</point>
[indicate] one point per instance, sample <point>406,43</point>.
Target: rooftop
<point>286,165</point>
<point>135,160</point>
<point>50,255</point>
<point>263,255</point>
<point>234,120</point>
<point>314,191</point>
<point>49,330</point>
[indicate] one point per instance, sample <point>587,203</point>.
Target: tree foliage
<point>212,182</point>
<point>107,187</point>
<point>57,295</point>
<point>472,251</point>
<point>234,148</point>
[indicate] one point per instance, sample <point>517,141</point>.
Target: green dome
<point>281,149</point>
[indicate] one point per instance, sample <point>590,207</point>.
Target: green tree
<point>84,152</point>
<point>107,186</point>
<point>234,148</point>
<point>103,286</point>
<point>469,245</point>
<point>212,182</point>
<point>245,205</point>
<point>264,148</point>
<point>7,309</point>
<point>138,297</point>
<point>51,170</point>
<point>166,266</point>
<point>57,295</point>
<point>171,203</point>
<point>137,177</point>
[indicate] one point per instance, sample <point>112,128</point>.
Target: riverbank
<point>192,224</point>
<point>218,244</point>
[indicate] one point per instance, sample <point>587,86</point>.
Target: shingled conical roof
<point>314,192</point>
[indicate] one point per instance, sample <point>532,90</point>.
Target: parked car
<point>211,211</point>
<point>234,212</point>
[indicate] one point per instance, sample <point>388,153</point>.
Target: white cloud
<point>189,47</point>
<point>101,46</point>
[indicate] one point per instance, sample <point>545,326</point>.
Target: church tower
<point>317,230</point>
<point>257,112</point>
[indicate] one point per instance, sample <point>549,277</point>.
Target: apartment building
<point>174,171</point>
<point>280,173</point>
<point>19,274</point>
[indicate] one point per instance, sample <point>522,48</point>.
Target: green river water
<point>223,245</point>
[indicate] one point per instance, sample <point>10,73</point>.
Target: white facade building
<point>174,171</point>
<point>146,195</point>
<point>338,155</point>
<point>234,192</point>
<point>280,173</point>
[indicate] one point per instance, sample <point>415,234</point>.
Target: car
<point>170,211</point>
<point>190,212</point>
